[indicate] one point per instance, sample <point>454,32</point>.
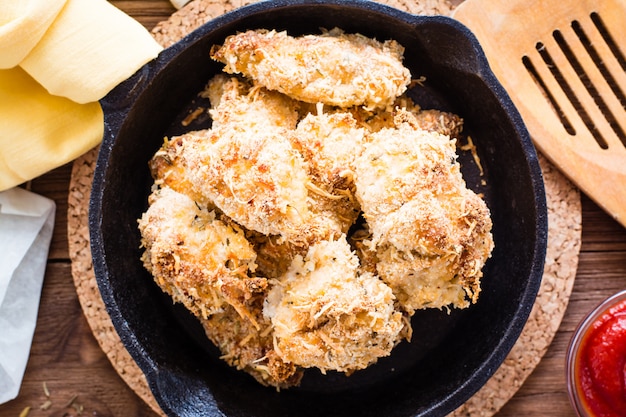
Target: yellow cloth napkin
<point>59,58</point>
<point>22,25</point>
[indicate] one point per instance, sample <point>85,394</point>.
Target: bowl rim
<point>575,343</point>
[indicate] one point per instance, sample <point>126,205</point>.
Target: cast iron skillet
<point>452,354</point>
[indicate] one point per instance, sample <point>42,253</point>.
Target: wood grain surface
<point>67,362</point>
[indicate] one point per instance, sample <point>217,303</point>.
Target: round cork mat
<point>564,240</point>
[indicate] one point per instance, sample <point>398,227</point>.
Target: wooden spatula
<point>563,64</point>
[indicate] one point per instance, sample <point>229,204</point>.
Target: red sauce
<point>601,364</point>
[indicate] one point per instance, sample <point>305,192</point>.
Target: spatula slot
<point>569,92</point>
<point>530,67</point>
<point>608,38</point>
<point>587,82</point>
<point>597,58</point>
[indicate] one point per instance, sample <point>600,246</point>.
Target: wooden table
<point>66,358</point>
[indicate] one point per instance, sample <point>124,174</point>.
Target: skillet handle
<point>119,100</point>
<point>452,37</point>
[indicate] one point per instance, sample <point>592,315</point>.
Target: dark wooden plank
<point>55,185</point>
<point>66,356</point>
<point>146,12</point>
<point>600,231</point>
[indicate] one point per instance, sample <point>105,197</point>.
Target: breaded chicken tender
<point>329,143</point>
<point>206,264</point>
<point>235,101</point>
<point>327,316</point>
<point>442,122</point>
<point>168,171</point>
<point>334,68</point>
<point>432,120</point>
<point>430,234</point>
<point>399,163</point>
<point>250,349</point>
<point>255,177</point>
<point>196,258</point>
<point>438,264</point>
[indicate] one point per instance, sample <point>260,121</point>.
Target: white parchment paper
<point>26,224</point>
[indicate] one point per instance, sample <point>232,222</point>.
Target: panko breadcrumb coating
<point>321,209</point>
<point>205,264</point>
<point>399,163</point>
<point>168,171</point>
<point>439,264</point>
<point>274,255</point>
<point>327,142</point>
<point>235,101</point>
<point>445,123</point>
<point>253,176</point>
<point>196,258</point>
<point>334,68</point>
<point>326,315</point>
<point>247,348</point>
<point>431,235</point>
<point>432,120</point>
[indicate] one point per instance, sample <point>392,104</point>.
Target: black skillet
<point>452,354</point>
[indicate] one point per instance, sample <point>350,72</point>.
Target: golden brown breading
<point>377,119</point>
<point>225,86</point>
<point>274,255</point>
<point>255,177</point>
<point>196,258</point>
<point>246,166</point>
<point>234,102</point>
<point>334,68</point>
<point>359,240</point>
<point>442,122</point>
<point>329,143</point>
<point>432,120</point>
<point>325,315</point>
<point>238,102</point>
<point>252,350</point>
<point>398,164</point>
<point>430,233</point>
<point>439,262</point>
<point>168,171</point>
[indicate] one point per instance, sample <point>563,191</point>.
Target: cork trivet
<point>564,240</point>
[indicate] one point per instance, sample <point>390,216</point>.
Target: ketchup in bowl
<point>596,361</point>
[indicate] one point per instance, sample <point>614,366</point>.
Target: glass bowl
<point>595,360</point>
